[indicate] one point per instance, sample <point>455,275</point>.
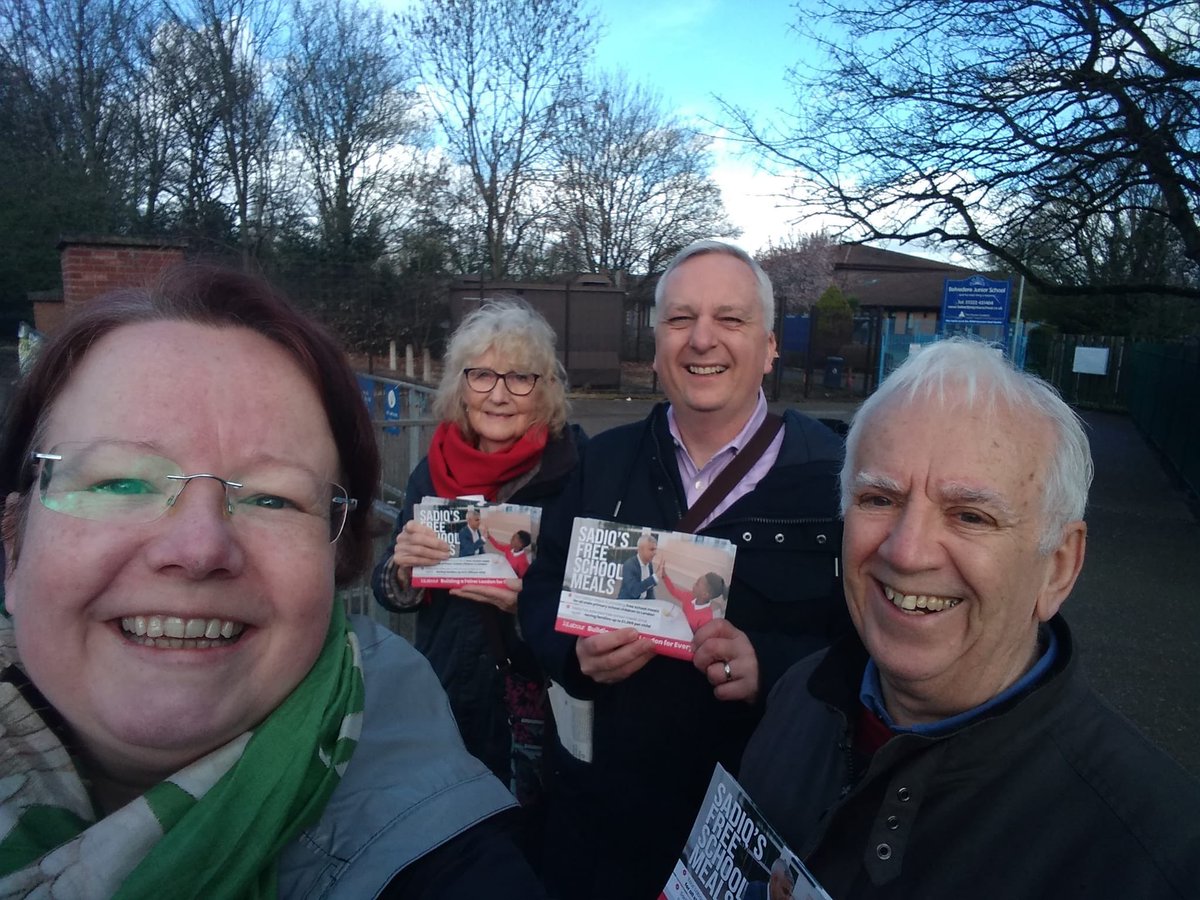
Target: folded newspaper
<point>733,853</point>
<point>665,584</point>
<point>493,542</point>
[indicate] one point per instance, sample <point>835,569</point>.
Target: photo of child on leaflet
<point>664,584</point>
<point>490,543</point>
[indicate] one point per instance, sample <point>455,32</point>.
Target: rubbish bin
<point>833,372</point>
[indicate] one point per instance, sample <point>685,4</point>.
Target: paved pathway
<point>1135,609</point>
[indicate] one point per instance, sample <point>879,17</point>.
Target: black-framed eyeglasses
<point>519,384</point>
<point>116,481</point>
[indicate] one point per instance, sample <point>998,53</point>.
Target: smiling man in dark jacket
<point>644,732</point>
<point>952,748</point>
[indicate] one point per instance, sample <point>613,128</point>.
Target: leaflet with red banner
<point>666,584</point>
<point>493,543</point>
<point>733,853</point>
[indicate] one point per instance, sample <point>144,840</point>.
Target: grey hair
<point>987,378</point>
<point>519,335</point>
<point>766,293</point>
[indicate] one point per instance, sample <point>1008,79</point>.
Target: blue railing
<point>404,423</point>
<point>402,414</point>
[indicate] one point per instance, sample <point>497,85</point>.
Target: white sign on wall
<point>1091,361</point>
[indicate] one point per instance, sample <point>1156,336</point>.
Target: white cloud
<point>755,199</point>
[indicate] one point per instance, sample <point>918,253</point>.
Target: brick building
<point>92,265</point>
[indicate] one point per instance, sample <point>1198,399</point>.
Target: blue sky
<point>689,51</point>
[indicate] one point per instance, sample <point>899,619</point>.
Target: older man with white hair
<point>952,748</point>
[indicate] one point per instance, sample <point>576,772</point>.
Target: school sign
<point>975,301</point>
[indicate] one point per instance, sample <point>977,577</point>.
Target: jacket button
<point>779,538</point>
<point>903,795</point>
<point>746,536</point>
<point>821,539</point>
<point>883,851</point>
<point>893,823</point>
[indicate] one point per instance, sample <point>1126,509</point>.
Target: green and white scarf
<point>213,829</point>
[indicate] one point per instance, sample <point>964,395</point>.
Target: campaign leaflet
<point>493,542</point>
<point>733,853</point>
<point>665,584</point>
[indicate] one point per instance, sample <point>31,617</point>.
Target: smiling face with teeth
<point>160,641</point>
<point>712,345</point>
<point>943,574</point>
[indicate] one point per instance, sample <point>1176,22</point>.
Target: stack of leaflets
<point>494,543</point>
<point>733,853</point>
<point>665,584</point>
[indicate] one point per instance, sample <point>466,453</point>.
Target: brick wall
<point>49,313</point>
<point>91,266</point>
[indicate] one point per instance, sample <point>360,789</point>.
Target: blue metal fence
<point>895,348</point>
<point>401,411</point>
<point>402,414</point>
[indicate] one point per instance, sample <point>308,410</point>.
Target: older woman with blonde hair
<point>503,436</point>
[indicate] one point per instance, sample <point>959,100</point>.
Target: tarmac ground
<point>1134,610</point>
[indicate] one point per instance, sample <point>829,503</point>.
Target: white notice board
<point>1091,361</point>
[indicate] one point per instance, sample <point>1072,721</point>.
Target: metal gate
<point>1072,363</point>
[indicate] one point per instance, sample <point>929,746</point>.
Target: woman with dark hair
<point>185,708</point>
<point>504,436</point>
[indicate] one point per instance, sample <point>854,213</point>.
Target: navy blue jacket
<point>1050,795</point>
<point>616,825</point>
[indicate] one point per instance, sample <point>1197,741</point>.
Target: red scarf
<point>458,469</point>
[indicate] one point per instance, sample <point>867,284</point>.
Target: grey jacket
<point>410,786</point>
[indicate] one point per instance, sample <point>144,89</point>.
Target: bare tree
<point>350,104</point>
<point>66,72</point>
<point>1130,242</point>
<point>173,127</point>
<point>1012,125</point>
<point>233,46</point>
<point>496,71</point>
<point>181,151</point>
<point>633,184</point>
<point>153,134</point>
<point>73,65</point>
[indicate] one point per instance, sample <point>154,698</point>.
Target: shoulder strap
<point>731,474</point>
